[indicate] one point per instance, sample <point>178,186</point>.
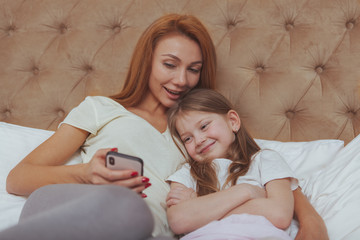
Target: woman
<point>173,55</point>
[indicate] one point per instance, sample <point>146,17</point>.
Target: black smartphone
<point>121,161</point>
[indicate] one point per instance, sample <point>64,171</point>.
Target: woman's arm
<point>277,207</point>
<point>312,226</point>
<point>45,165</point>
<point>188,215</point>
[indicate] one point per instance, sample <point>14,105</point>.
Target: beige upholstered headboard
<point>291,66</point>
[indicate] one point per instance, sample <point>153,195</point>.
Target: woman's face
<point>176,67</point>
<point>205,135</point>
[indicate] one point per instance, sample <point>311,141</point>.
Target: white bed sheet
<point>335,193</point>
<point>329,175</point>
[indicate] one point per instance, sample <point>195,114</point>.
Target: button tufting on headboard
<point>292,68</point>
<point>6,113</point>
<point>290,114</point>
<point>350,24</point>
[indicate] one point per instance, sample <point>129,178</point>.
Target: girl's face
<point>176,68</point>
<point>207,136</point>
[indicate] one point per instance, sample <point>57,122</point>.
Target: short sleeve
<point>83,116</point>
<point>273,166</point>
<point>184,177</point>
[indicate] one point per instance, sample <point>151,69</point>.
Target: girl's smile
<point>206,135</point>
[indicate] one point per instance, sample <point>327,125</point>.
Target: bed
<point>292,68</point>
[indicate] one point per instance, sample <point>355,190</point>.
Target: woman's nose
<point>181,78</point>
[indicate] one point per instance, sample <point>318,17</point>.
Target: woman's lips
<point>174,95</point>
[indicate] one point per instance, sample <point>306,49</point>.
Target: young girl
<point>223,159</point>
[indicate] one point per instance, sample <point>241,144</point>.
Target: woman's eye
<point>194,70</point>
<point>169,65</point>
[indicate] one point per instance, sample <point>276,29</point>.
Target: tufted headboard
<point>292,67</point>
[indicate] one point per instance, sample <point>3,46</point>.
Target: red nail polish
<point>143,195</point>
<point>145,179</point>
<point>147,185</point>
<point>114,150</point>
<point>134,174</point>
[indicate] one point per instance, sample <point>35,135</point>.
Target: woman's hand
<point>311,224</point>
<point>97,173</point>
<point>179,194</point>
<point>313,228</point>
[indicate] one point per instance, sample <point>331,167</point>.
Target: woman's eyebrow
<point>171,55</point>
<point>178,59</point>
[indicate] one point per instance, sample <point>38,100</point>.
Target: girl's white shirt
<point>266,165</point>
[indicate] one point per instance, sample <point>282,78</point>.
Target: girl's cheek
<point>190,151</point>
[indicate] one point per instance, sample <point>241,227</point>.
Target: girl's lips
<point>207,148</point>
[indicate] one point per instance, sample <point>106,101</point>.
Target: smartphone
<point>121,161</point>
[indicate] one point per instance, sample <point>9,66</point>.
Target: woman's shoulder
<point>102,102</point>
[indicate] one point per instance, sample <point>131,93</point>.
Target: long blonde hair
<point>137,79</point>
<point>240,151</point>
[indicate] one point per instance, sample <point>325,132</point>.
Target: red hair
<point>137,79</point>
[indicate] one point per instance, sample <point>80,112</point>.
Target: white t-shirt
<point>266,165</point>
<point>111,125</point>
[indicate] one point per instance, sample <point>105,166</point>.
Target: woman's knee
<point>109,209</point>
<point>122,208</point>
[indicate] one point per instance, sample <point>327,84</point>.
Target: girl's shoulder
<point>268,155</point>
<point>267,152</point>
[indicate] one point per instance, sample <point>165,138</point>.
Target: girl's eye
<point>187,140</point>
<point>204,126</point>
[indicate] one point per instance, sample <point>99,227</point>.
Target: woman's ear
<point>234,120</point>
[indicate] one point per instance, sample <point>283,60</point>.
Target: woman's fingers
<point>135,182</point>
<point>100,174</point>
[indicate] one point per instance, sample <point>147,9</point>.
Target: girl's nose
<point>200,139</point>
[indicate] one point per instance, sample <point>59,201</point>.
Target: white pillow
<point>335,193</point>
<point>15,143</point>
<point>305,158</point>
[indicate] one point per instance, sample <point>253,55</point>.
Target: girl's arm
<point>45,165</point>
<point>277,207</point>
<point>191,214</point>
<point>312,226</point>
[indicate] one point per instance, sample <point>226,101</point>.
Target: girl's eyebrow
<point>178,59</point>
<point>182,136</point>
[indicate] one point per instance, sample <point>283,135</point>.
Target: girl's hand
<point>97,173</point>
<point>252,190</point>
<point>178,194</point>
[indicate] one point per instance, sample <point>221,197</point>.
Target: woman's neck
<point>153,112</point>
